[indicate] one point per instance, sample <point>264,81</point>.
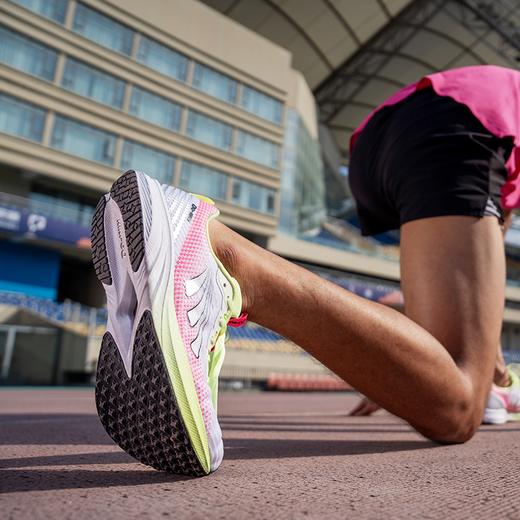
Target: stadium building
<point>248,102</point>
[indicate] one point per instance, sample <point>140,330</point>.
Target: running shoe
<point>169,301</point>
<point>504,402</point>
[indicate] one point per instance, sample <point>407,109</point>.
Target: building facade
<point>91,88</point>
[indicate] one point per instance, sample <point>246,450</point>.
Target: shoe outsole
<point>140,413</point>
<point>125,192</point>
<point>99,251</point>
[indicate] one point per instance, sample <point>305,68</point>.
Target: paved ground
<point>287,456</point>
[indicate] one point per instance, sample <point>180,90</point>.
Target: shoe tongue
<point>238,322</point>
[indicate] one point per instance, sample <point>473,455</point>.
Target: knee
<point>454,424</point>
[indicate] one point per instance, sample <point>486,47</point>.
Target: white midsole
<point>495,416</point>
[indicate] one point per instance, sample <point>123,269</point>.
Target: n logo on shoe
<point>192,212</point>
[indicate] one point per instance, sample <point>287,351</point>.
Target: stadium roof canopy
<point>354,54</point>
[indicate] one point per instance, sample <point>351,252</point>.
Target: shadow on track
<point>242,449</point>
<point>70,459</point>
<point>14,481</point>
<point>42,429</point>
<point>15,478</point>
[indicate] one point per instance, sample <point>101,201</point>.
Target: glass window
<point>257,149</point>
<point>155,109</point>
<point>155,163</point>
<point>53,9</point>
<point>20,118</point>
<point>214,83</point>
<point>162,59</point>
<point>61,207</point>
<point>83,140</point>
<point>203,180</point>
<point>102,29</point>
<point>93,83</point>
<point>261,104</point>
<point>253,196</point>
<point>27,55</point>
<point>209,131</point>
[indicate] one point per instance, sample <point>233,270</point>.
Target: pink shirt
<point>492,94</point>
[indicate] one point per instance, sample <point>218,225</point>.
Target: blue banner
<point>30,224</point>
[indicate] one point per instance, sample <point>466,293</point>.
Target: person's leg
<point>501,378</point>
<point>453,282</point>
<point>453,272</point>
<point>501,375</point>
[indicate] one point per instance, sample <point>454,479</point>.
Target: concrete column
<point>135,45</point>
<point>126,97</point>
<point>184,121</point>
<point>47,129</point>
<point>189,72</point>
<point>229,188</point>
<point>69,17</point>
<point>118,152</point>
<point>60,66</point>
<point>177,171</point>
<point>234,137</point>
<point>238,97</point>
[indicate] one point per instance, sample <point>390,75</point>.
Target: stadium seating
<point>306,383</point>
<point>80,318</point>
<point>254,337</point>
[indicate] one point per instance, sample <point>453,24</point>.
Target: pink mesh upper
<point>193,259</point>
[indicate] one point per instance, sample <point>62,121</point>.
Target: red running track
<point>287,456</point>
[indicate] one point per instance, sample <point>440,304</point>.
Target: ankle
<point>227,251</point>
<point>503,379</point>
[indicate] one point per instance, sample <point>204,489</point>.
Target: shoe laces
<point>238,322</point>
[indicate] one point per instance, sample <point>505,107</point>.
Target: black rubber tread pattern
<point>125,192</point>
<point>141,413</point>
<point>99,250</point>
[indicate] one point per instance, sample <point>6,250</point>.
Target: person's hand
<point>364,408</point>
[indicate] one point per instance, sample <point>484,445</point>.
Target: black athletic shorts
<point>427,156</point>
